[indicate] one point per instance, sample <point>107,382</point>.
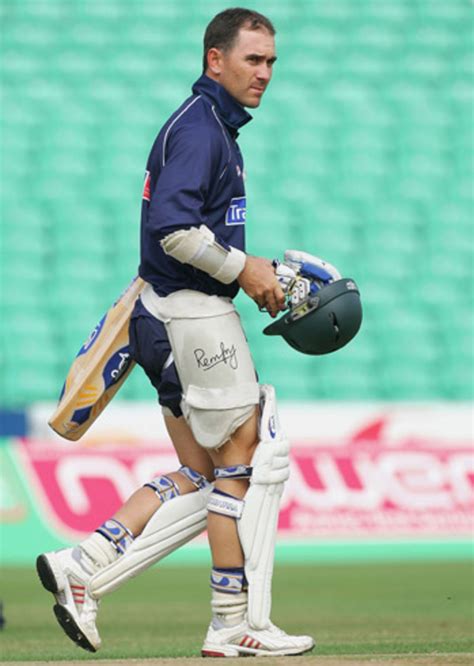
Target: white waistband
<point>184,304</point>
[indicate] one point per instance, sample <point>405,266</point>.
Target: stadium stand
<point>361,153</point>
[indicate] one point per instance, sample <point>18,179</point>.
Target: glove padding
<point>308,265</point>
<point>302,274</point>
<point>285,275</point>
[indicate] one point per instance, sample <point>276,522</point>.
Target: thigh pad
<point>213,362</point>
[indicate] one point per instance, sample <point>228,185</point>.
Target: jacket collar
<point>230,111</point>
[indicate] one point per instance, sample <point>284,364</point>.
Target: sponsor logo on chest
<point>236,212</point>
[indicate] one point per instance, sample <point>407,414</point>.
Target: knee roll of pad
<point>271,464</point>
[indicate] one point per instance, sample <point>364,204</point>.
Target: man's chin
<point>253,102</point>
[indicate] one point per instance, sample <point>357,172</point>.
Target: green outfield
<point>368,610</point>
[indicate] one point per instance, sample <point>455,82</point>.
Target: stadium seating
<point>361,153</point>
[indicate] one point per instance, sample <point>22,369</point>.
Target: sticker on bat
<point>116,366</point>
<point>92,337</point>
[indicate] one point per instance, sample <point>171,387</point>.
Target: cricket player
<point>187,336</point>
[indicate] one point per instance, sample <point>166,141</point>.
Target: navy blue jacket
<point>194,176</point>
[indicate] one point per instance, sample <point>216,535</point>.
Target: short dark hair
<point>222,31</point>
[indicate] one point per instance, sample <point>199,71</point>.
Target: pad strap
<point>165,487</point>
<point>197,479</point>
<point>225,504</point>
<point>118,535</point>
<point>234,472</point>
<point>229,580</point>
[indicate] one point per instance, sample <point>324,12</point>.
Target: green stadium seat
<point>359,384</point>
<point>289,384</point>
<point>457,379</point>
<point>360,154</point>
<point>403,381</point>
<point>21,386</point>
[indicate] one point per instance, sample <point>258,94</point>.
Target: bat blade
<point>100,368</point>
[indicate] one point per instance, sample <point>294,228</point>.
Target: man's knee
<point>189,452</point>
<point>232,460</point>
<point>240,447</point>
<point>213,425</point>
<point>245,436</point>
<point>234,487</point>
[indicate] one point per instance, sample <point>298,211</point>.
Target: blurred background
<point>361,153</point>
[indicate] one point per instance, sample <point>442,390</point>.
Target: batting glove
<point>301,275</point>
<point>310,266</point>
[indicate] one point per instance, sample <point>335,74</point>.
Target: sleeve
<point>192,158</point>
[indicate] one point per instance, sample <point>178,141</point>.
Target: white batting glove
<point>285,275</point>
<point>302,274</point>
<point>295,287</point>
<point>325,271</point>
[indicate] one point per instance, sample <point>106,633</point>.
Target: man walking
<point>186,334</point>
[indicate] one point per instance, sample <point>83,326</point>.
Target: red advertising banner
<point>368,483</point>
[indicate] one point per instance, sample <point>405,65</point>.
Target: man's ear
<point>214,60</point>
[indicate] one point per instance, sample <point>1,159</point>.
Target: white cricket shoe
<point>61,573</point>
<point>242,640</point>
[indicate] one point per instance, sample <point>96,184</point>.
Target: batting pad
<point>258,525</point>
<point>175,523</point>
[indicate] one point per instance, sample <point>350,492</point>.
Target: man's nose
<point>264,73</point>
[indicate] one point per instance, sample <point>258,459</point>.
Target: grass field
<point>372,611</point>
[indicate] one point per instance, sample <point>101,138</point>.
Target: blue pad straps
<point>229,580</point>
<point>234,472</point>
<point>196,478</point>
<point>119,535</point>
<point>164,487</point>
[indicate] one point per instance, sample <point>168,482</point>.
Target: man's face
<point>246,69</point>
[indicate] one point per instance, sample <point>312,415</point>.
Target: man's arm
<point>179,196</point>
<point>200,248</point>
<point>178,223</point>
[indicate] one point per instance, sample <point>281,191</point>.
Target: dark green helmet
<point>327,321</point>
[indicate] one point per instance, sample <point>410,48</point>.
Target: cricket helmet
<point>327,320</point>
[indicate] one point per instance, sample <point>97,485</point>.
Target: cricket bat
<point>99,369</point>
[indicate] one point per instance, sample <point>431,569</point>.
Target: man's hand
<point>259,281</point>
